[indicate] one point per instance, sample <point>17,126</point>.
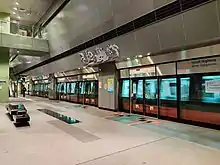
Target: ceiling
<point>29,11</point>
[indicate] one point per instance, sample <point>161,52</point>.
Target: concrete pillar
<point>52,87</point>
<point>4,74</point>
<point>4,22</point>
<point>108,86</point>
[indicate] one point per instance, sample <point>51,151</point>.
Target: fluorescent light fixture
<point>15,8</point>
<point>13,13</point>
<point>79,68</point>
<point>16,3</point>
<point>128,58</point>
<point>140,56</point>
<point>28,62</point>
<point>148,53</point>
<point>18,17</point>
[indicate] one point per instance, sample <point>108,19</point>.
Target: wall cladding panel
<point>201,23</point>
<point>159,3</point>
<point>171,36</point>
<point>147,40</point>
<point>141,7</point>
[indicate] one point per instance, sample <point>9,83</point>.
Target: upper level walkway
<point>101,138</point>
<point>13,35</point>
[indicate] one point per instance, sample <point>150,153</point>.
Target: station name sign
<point>100,55</point>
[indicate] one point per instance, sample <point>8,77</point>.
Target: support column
<point>52,87</point>
<point>5,22</point>
<point>108,86</point>
<point>4,74</point>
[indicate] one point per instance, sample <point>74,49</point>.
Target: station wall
<point>4,74</point>
<point>199,25</point>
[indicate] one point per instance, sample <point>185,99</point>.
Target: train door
<point>81,95</point>
<point>124,100</point>
<point>68,91</point>
<point>74,92</point>
<point>94,89</point>
<point>58,91</point>
<point>88,92</point>
<point>151,96</point>
<point>137,100</point>
<point>168,96</point>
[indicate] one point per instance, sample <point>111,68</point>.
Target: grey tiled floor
<point>117,143</point>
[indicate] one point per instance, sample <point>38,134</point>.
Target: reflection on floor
<point>102,138</point>
<point>191,133</point>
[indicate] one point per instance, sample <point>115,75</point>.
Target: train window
<point>68,88</point>
<point>184,88</point>
<point>150,88</point>
<point>41,87</point>
<point>168,89</point>
<point>140,89</point>
<point>73,88</point>
<point>211,89</point>
<point>125,88</point>
<point>63,88</point>
<point>93,88</point>
<point>58,87</point>
<point>82,88</point>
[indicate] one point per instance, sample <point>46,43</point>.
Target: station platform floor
<point>101,138</point>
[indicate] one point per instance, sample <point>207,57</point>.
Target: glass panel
<point>64,89</point>
<point>41,87</point>
<point>140,91</point>
<point>59,88</point>
<point>150,86</point>
<point>184,88</point>
<point>93,88</point>
<point>201,99</point>
<point>211,89</point>
<point>88,88</point>
<point>166,69</point>
<point>151,89</point>
<point>125,88</point>
<point>73,88</point>
<point>137,96</point>
<point>68,88</point>
<point>168,89</point>
<point>82,88</point>
<point>168,97</point>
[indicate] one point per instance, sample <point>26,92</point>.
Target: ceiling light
<point>15,8</point>
<point>148,53</point>
<point>128,58</point>
<point>16,3</point>
<point>79,68</point>
<point>84,67</point>
<point>140,56</point>
<point>18,17</point>
<point>13,13</point>
<point>17,51</point>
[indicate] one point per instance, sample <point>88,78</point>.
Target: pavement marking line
<point>120,151</point>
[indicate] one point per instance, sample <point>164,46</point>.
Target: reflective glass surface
<point>125,88</point>
<point>168,89</point>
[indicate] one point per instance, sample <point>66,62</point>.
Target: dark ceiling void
<point>172,9</point>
